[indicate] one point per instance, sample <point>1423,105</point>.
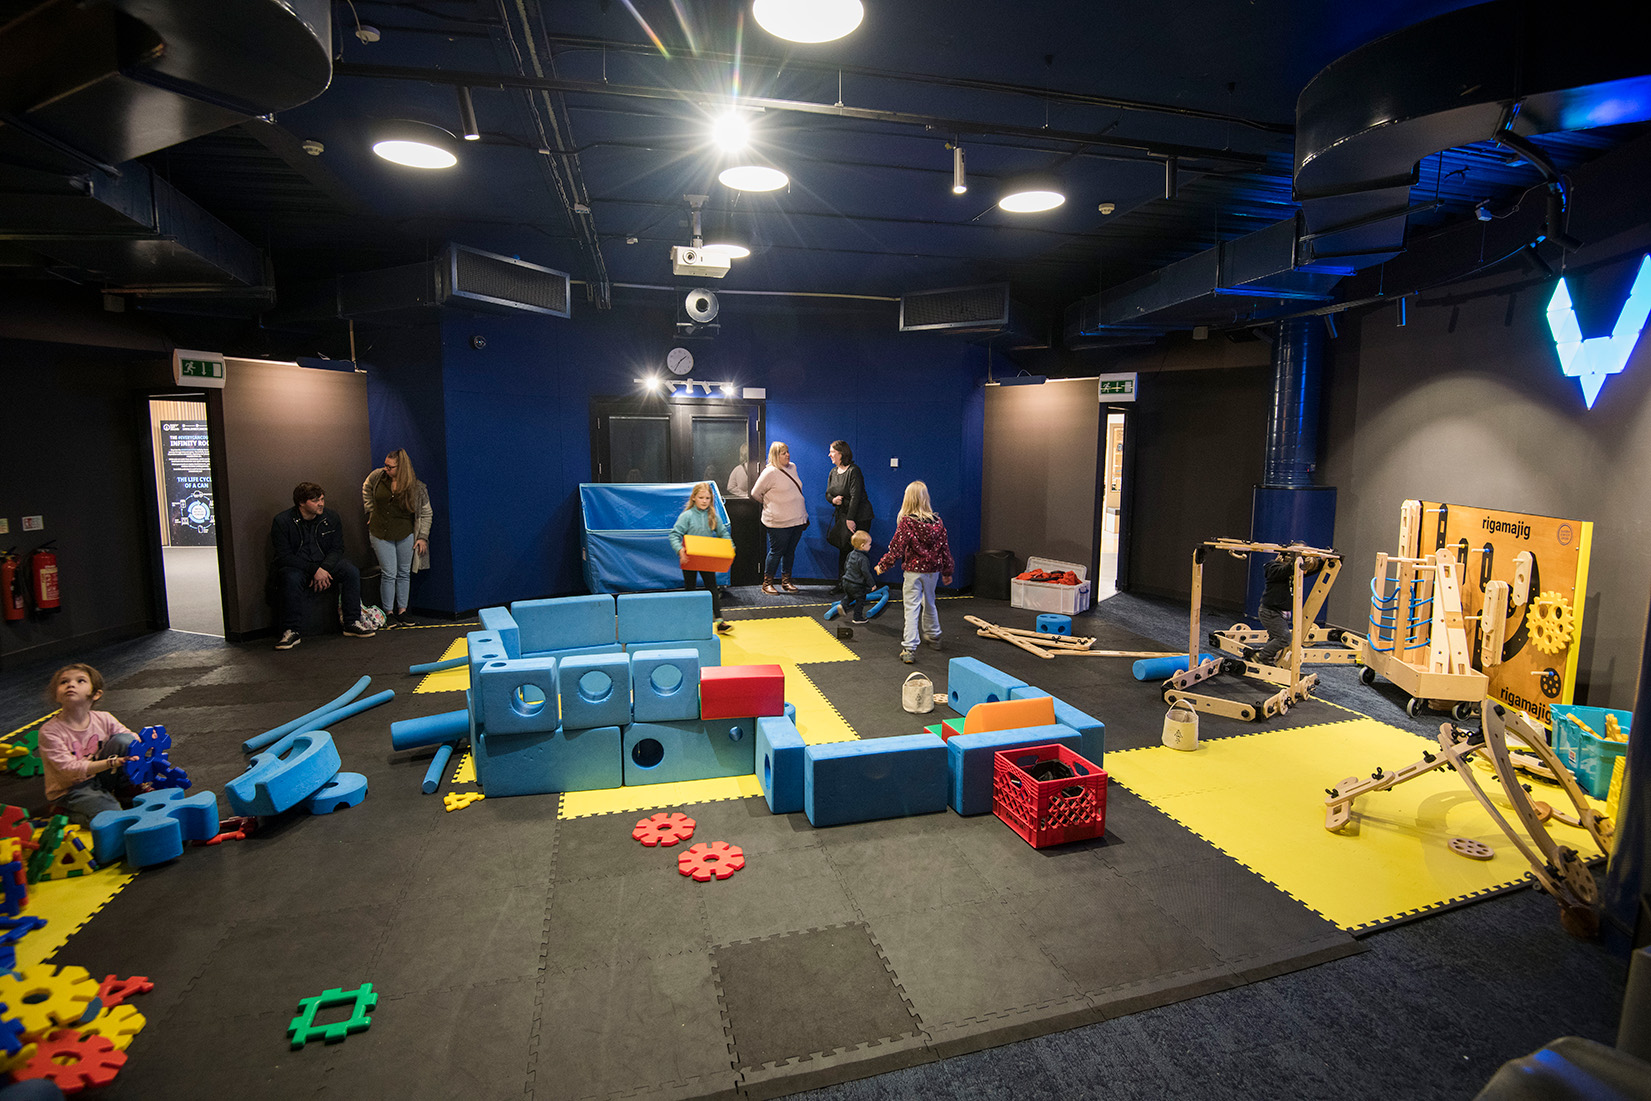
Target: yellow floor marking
<point>448,680</point>
<point>798,640</point>
<point>1391,860</point>
<point>67,904</point>
<point>581,804</point>
<point>466,772</point>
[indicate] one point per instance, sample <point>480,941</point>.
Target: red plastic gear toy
<point>664,829</point>
<point>73,1062</point>
<point>113,990</point>
<point>717,860</point>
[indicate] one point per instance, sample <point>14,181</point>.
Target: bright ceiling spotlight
<point>467,116</point>
<point>960,182</point>
<point>1031,195</point>
<point>731,132</point>
<point>808,20</point>
<point>416,144</point>
<point>753,177</point>
<point>727,248</point>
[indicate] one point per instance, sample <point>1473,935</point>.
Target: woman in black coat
<point>846,490</point>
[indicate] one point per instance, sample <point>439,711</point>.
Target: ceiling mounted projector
<point>700,306</point>
<point>699,262</point>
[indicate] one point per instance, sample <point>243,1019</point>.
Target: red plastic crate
<point>1048,812</point>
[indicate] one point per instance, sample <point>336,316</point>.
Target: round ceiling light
<point>753,177</point>
<point>416,145</point>
<point>1029,196</point>
<point>728,249</point>
<point>731,131</point>
<point>808,20</point>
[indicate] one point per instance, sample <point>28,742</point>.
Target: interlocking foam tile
<point>466,772</point>
<point>786,640</point>
<point>582,804</point>
<point>1260,799</point>
<point>67,904</point>
<point>448,680</point>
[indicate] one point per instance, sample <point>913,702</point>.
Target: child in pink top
<point>83,750</point>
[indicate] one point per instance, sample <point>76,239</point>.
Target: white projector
<point>687,260</point>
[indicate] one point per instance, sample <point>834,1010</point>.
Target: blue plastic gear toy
<point>152,765</point>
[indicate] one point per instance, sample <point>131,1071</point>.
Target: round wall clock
<point>679,360</point>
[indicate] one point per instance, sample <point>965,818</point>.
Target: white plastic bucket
<point>1181,727</point>
<point>917,694</point>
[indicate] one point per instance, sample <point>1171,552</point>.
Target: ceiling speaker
<point>700,305</point>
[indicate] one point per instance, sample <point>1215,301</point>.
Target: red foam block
<point>741,691</point>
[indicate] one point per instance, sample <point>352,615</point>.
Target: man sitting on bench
<point>306,545</point>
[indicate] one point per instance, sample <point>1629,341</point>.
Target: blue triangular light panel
<point>1590,361</point>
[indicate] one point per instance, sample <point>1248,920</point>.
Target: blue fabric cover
<point>625,534</point>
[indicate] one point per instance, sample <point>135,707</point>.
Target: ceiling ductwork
<point>89,87</point>
<point>986,312</point>
<point>462,277</point>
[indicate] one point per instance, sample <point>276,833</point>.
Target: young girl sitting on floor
<point>83,750</point>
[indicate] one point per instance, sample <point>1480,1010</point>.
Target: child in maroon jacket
<point>920,546</point>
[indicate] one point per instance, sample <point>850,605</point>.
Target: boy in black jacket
<point>306,550</point>
<point>857,579</point>
<point>1276,602</point>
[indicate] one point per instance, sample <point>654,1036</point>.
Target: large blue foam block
<point>709,649</point>
<point>154,829</point>
<point>643,616</point>
<point>1091,729</point>
<point>565,622</point>
<point>970,681</point>
<point>284,775</point>
<point>779,763</point>
<point>874,778</point>
<point>664,685</point>
<point>519,695</point>
<point>539,763</point>
<point>499,623</point>
<point>662,753</point>
<point>969,761</point>
<point>596,691</point>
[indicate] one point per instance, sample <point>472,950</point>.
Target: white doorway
<point>188,517</point>
<point>1112,480</point>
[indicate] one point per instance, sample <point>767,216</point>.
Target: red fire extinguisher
<point>43,573</point>
<point>11,586</point>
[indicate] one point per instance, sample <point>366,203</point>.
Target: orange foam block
<point>741,691</point>
<point>1010,715</point>
<point>708,553</point>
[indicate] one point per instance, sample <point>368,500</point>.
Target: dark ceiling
<point>1184,121</point>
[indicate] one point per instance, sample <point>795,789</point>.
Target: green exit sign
<point>1115,388</point>
<point>191,368</point>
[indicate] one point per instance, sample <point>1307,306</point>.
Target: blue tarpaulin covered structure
<point>625,538</point>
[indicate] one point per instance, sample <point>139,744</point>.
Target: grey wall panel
<point>1038,493</point>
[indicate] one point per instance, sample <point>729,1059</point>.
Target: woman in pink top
<point>83,750</point>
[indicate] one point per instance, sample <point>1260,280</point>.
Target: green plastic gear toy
<point>303,1028</point>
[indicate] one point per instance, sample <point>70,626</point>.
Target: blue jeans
<point>918,591</point>
<point>89,798</point>
<point>395,571</point>
<point>782,549</point>
<point>292,589</point>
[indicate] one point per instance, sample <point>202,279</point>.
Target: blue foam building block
<point>154,829</point>
<point>970,681</point>
<point>874,778</point>
<point>583,651</point>
<point>709,649</point>
<point>499,623</point>
<point>664,685</point>
<point>483,647</point>
<point>662,753</point>
<point>643,616</point>
<point>779,764</point>
<point>596,691</point>
<point>969,761</point>
<point>538,763</point>
<point>1089,728</point>
<point>517,695</point>
<point>285,774</point>
<point>344,790</point>
<point>565,622</point>
<point>1051,623</point>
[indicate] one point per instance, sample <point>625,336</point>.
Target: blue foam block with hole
<point>483,647</point>
<point>154,829</point>
<point>709,649</point>
<point>344,790</point>
<point>565,622</point>
<point>874,778</point>
<point>969,760</point>
<point>284,775</point>
<point>538,763</point>
<point>1051,623</point>
<point>779,764</point>
<point>499,623</point>
<point>596,690</point>
<point>970,681</point>
<point>643,616</point>
<point>1089,728</point>
<point>662,753</point>
<point>664,685</point>
<point>516,696</point>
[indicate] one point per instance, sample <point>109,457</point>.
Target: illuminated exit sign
<point>1115,388</point>
<point>190,368</point>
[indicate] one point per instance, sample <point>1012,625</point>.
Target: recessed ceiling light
<point>1031,195</point>
<point>728,249</point>
<point>753,177</point>
<point>416,145</point>
<point>808,20</point>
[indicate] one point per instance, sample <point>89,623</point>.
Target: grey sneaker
<point>936,643</point>
<point>906,656</point>
<point>359,629</point>
<point>288,640</point>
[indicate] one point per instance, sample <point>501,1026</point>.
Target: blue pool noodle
<point>432,775</point>
<point>438,666</point>
<point>429,729</point>
<point>270,737</point>
<point>1164,668</point>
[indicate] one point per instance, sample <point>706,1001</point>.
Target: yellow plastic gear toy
<point>1551,622</point>
<point>45,997</point>
<point>118,1024</point>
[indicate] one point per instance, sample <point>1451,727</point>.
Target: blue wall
<point>502,434</point>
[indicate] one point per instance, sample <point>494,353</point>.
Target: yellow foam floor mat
<point>581,804</point>
<point>67,904</point>
<point>1260,799</point>
<point>785,640</point>
<point>448,680</point>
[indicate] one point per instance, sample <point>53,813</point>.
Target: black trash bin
<point>993,571</point>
